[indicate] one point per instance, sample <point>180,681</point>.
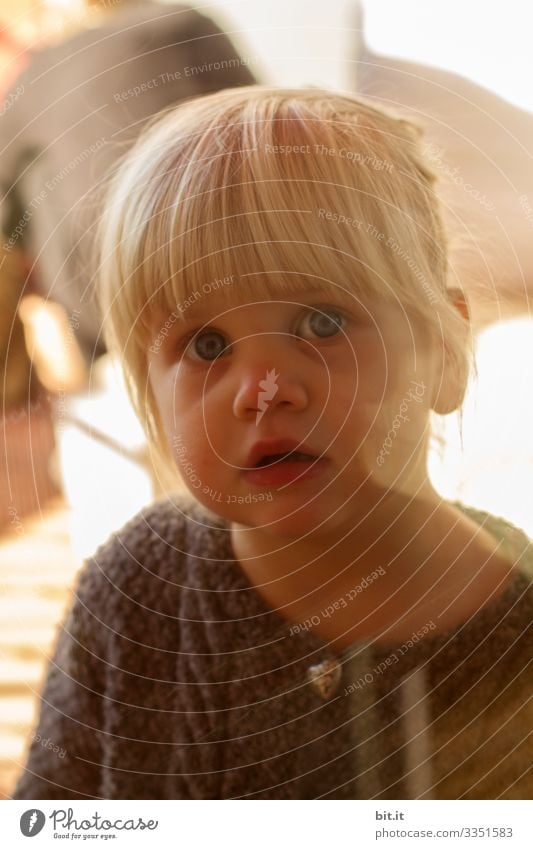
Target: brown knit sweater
<point>172,679</point>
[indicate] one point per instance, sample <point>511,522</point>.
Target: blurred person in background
<point>71,113</point>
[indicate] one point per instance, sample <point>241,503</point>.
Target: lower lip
<point>285,471</point>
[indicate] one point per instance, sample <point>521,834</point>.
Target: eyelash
<point>319,309</point>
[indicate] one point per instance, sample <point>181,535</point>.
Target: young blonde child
<point>312,620</point>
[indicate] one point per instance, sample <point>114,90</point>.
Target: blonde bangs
<point>225,200</point>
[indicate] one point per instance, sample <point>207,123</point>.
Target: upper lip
<point>267,447</point>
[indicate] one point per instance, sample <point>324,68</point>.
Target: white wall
<point>488,41</point>
<point>309,41</point>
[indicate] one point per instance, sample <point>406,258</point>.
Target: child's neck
<point>432,567</point>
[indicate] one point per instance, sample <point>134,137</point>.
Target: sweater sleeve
<point>65,755</point>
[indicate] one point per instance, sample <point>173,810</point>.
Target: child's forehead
<point>204,306</point>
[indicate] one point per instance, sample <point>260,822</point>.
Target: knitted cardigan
<point>172,679</point>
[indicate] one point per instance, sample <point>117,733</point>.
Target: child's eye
<point>324,321</point>
<point>206,345</point>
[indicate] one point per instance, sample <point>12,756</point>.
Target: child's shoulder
<point>153,554</point>
<point>514,539</point>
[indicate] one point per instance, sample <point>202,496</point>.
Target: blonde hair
<point>278,190</point>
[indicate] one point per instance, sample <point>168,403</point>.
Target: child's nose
<point>266,385</point>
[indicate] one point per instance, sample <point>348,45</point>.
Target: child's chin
<point>282,520</point>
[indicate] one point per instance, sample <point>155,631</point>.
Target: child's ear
<point>454,374</point>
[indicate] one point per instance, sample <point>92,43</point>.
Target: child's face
<point>339,380</point>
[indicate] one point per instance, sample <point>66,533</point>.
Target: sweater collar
<point>265,625</point>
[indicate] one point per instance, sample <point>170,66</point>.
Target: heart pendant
<point>325,678</point>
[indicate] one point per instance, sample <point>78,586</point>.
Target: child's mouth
<point>284,468</point>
